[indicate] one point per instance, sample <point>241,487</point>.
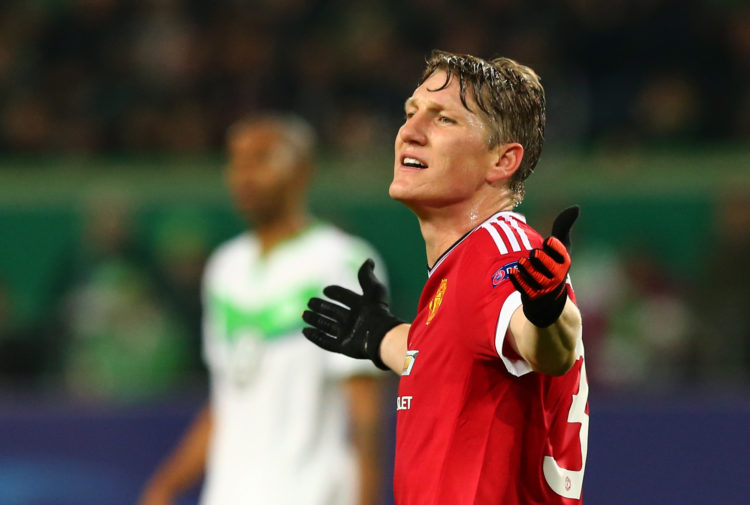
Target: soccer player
<point>281,417</point>
<point>492,402</point>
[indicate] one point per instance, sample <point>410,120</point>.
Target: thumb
<point>372,288</point>
<point>563,223</point>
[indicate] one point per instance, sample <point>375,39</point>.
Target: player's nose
<point>413,131</point>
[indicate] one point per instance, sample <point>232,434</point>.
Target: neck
<point>284,226</point>
<point>443,227</point>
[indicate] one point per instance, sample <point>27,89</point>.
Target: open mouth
<point>410,162</point>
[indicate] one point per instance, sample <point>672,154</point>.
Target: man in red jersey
<point>492,403</point>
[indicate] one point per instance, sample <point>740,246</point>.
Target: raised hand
<point>541,277</point>
<point>355,325</point>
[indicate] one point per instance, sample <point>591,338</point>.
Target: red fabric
<point>470,432</point>
<point>555,259</point>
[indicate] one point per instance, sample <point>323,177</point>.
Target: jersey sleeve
<point>499,300</point>
<point>502,241</point>
<point>513,362</point>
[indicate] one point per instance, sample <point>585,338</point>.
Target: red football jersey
<point>475,424</point>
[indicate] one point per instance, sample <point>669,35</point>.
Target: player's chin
<point>398,191</point>
<point>409,199</point>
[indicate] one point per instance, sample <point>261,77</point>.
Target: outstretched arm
<point>351,323</point>
<point>365,402</point>
<point>393,347</point>
<point>183,467</point>
<point>545,329</point>
<point>552,349</point>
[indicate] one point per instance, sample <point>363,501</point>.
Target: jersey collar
<point>442,257</point>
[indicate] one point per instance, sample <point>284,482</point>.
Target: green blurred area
<point>664,201</point>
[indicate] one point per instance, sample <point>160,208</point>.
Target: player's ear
<point>507,158</point>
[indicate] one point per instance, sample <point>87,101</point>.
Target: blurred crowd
<point>92,76</point>
<point>651,327</point>
<point>122,321</point>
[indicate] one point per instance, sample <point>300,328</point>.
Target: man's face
<point>442,154</point>
<point>260,173</point>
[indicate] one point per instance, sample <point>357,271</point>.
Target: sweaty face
<point>261,172</point>
<point>442,154</point>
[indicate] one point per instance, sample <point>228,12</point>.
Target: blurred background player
<point>281,419</point>
<point>492,400</point>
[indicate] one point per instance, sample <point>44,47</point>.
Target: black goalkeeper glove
<point>356,328</point>
<point>541,277</point>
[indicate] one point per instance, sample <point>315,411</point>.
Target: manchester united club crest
<point>437,300</point>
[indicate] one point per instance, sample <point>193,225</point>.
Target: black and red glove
<point>541,278</point>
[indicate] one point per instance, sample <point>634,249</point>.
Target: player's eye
<point>446,120</point>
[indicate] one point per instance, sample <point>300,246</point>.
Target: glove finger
<point>517,284</point>
<point>521,285</point>
<point>328,309</point>
<point>563,223</point>
<point>322,323</point>
<point>555,249</point>
<point>527,275</point>
<point>523,281</point>
<point>536,279</point>
<point>537,262</point>
<point>539,284</point>
<point>372,288</point>
<point>321,339</point>
<point>552,269</point>
<point>345,296</point>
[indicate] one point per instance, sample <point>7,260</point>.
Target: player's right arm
<point>183,467</point>
<point>357,324</point>
<point>393,347</point>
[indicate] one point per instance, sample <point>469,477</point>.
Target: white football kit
<point>279,411</point>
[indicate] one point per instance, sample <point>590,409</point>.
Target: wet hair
<point>294,131</point>
<point>511,101</point>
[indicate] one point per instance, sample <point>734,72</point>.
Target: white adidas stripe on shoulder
<point>495,237</point>
<point>507,222</point>
<point>522,234</point>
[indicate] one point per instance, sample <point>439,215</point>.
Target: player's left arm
<point>544,331</point>
<point>551,349</point>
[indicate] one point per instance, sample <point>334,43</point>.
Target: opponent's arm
<point>183,467</point>
<point>545,329</point>
<point>355,324</point>
<point>366,430</point>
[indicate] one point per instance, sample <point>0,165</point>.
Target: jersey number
<point>568,483</point>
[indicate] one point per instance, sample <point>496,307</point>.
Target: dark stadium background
<point>112,119</point>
